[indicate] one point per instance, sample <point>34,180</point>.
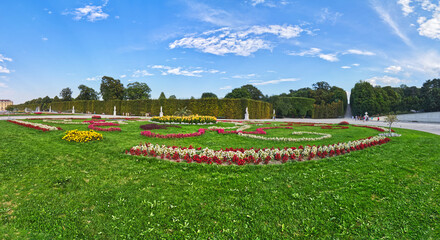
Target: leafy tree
<point>162,96</point>
<point>239,93</point>
<point>431,95</point>
<point>208,95</point>
<point>339,94</point>
<point>56,99</point>
<point>86,93</point>
<point>66,94</point>
<point>137,90</point>
<point>254,92</point>
<point>363,99</point>
<point>390,119</point>
<point>45,103</point>
<point>172,97</point>
<point>321,85</point>
<point>111,89</point>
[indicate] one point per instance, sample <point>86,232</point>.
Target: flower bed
<point>38,126</point>
<point>380,129</point>
<point>66,121</point>
<point>194,119</point>
<point>96,117</point>
<point>252,156</point>
<point>157,126</point>
<point>333,127</point>
<point>97,126</point>
<point>200,132</point>
<point>344,123</point>
<point>82,136</point>
<point>323,136</point>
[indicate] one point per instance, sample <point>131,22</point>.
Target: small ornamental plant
<point>344,123</point>
<point>82,136</point>
<point>96,117</point>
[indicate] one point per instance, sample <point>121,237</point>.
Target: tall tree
<point>431,95</point>
<point>111,89</point>
<point>66,94</point>
<point>363,99</point>
<point>172,97</point>
<point>137,90</point>
<point>239,93</point>
<point>86,93</point>
<point>254,92</point>
<point>162,96</point>
<point>208,95</point>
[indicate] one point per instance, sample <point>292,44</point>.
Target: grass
<point>53,189</point>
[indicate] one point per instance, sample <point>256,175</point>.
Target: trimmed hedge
<point>292,106</point>
<point>332,110</point>
<point>222,108</point>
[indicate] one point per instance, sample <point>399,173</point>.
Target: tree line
<point>383,100</point>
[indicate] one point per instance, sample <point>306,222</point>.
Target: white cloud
<point>345,67</point>
<point>93,78</point>
<point>245,76</point>
<point>276,81</point>
<point>3,85</point>
<point>44,38</point>
<point>386,17</point>
<point>211,15</point>
<point>328,16</point>
<point>239,42</point>
<point>167,70</point>
<point>90,12</point>
<point>316,52</point>
<point>430,28</point>
<point>117,17</point>
<point>226,88</point>
<point>355,64</point>
<point>406,8</point>
<point>359,52</point>
<point>329,57</point>
<point>386,80</point>
<point>3,58</point>
<point>122,76</point>
<point>393,69</point>
<point>141,73</point>
<point>4,70</point>
<point>256,2</point>
<point>427,63</point>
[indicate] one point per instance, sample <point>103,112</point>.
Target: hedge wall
<point>332,110</point>
<point>223,108</point>
<point>292,106</point>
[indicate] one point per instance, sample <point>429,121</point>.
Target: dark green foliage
<point>363,99</point>
<point>224,108</point>
<point>239,93</point>
<point>87,93</point>
<point>431,94</point>
<point>292,106</point>
<point>66,94</point>
<point>254,92</point>
<point>162,96</point>
<point>111,89</point>
<point>137,90</point>
<point>330,110</point>
<point>209,95</point>
<point>172,97</point>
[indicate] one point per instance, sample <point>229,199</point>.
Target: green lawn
<point>54,189</point>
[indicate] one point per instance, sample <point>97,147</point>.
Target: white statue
<point>246,115</point>
<point>161,113</point>
<point>114,111</point>
<point>273,115</point>
<point>50,108</point>
<point>73,109</point>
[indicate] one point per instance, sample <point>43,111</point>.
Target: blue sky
<point>187,47</point>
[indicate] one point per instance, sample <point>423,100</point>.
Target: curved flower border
<point>200,132</point>
<point>323,136</point>
<point>38,126</point>
<point>97,126</point>
<point>253,156</point>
